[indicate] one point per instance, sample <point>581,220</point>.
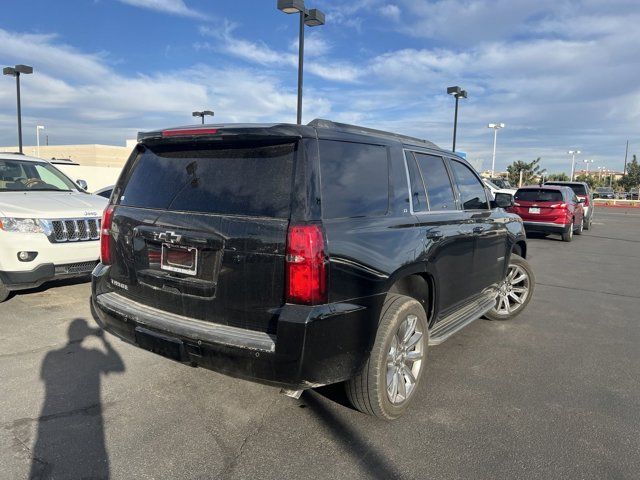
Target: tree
<point>558,177</point>
<point>530,170</point>
<point>632,178</point>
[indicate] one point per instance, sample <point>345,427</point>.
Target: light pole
<point>458,93</point>
<point>202,114</point>
<point>496,127</point>
<point>15,72</point>
<point>38,128</point>
<point>573,154</point>
<point>587,162</point>
<point>311,18</point>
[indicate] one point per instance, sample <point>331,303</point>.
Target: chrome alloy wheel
<point>404,360</point>
<point>513,291</point>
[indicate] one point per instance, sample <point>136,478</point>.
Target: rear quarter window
<point>354,179</point>
<point>251,180</point>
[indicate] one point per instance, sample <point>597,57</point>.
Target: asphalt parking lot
<point>552,394</point>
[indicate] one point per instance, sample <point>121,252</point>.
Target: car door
<point>448,248</point>
<point>487,227</point>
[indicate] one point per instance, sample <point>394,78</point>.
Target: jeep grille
<point>74,230</point>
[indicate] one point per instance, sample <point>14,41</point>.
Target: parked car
<point>300,256</point>
<point>550,209</point>
<point>583,192</point>
<point>49,226</point>
<point>502,183</point>
<point>496,189</point>
<point>604,192</point>
<point>633,194</point>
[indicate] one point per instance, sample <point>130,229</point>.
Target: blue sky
<point>561,74</point>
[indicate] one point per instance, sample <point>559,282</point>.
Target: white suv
<point>49,227</point>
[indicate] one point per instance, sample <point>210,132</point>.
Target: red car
<point>550,209</point>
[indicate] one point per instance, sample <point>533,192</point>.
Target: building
<point>91,155</point>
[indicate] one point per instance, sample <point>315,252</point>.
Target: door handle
<point>435,235</point>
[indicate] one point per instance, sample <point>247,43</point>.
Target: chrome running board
<point>459,319</point>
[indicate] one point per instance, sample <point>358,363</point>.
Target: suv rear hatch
<point>540,205</point>
<point>199,229</point>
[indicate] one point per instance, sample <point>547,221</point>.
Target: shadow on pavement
<point>363,453</point>
<point>70,441</point>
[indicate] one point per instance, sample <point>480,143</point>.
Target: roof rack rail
<point>323,123</point>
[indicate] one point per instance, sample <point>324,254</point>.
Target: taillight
<point>306,274</point>
<point>105,233</point>
<point>558,205</point>
<point>188,132</point>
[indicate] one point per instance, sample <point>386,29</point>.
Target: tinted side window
<point>355,179</point>
<point>418,194</point>
<point>436,179</point>
<point>472,193</point>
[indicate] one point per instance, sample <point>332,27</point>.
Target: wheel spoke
<point>413,341</point>
<point>410,327</point>
<point>515,297</point>
<point>402,386</point>
<point>519,279</point>
<point>408,375</point>
<point>520,289</point>
<point>414,356</point>
<point>393,388</point>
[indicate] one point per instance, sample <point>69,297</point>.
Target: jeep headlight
<point>23,225</point>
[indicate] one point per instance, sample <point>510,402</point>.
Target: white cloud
<point>260,53</point>
<point>173,7</point>
<point>391,11</point>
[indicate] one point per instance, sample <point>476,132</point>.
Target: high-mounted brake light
<point>306,274</point>
<point>105,235</point>
<point>188,132</point>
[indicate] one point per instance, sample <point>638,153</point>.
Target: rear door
<point>200,230</point>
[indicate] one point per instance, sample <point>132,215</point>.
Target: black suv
<point>300,256</point>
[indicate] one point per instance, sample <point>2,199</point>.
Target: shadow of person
<point>70,441</point>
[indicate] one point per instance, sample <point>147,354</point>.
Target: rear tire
<point>567,236</point>
<point>4,292</point>
<point>580,227</point>
<point>515,292</point>
<point>390,378</point>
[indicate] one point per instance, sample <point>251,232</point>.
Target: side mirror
<point>503,200</point>
<point>82,184</point>
<point>581,200</point>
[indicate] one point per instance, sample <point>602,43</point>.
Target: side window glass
<point>418,194</point>
<point>472,193</point>
<point>436,179</point>
<point>354,179</point>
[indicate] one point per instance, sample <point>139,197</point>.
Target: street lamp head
<point>454,90</point>
<point>9,71</point>
<point>314,18</point>
<point>496,126</point>
<point>291,6</point>
<point>26,69</point>
<point>208,112</point>
<point>39,127</point>
<point>463,94</point>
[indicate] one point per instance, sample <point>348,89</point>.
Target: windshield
<point>20,176</point>
<point>491,185</point>
<point>501,183</point>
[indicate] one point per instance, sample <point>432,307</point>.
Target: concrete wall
<point>96,177</point>
<point>94,155</point>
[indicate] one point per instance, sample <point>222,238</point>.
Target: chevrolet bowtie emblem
<point>169,237</point>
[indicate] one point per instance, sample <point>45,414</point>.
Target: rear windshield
<point>245,180</point>
<point>538,195</point>
<point>578,188</point>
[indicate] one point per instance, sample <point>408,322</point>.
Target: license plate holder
<point>180,259</point>
<point>534,210</point>
<point>163,345</point>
